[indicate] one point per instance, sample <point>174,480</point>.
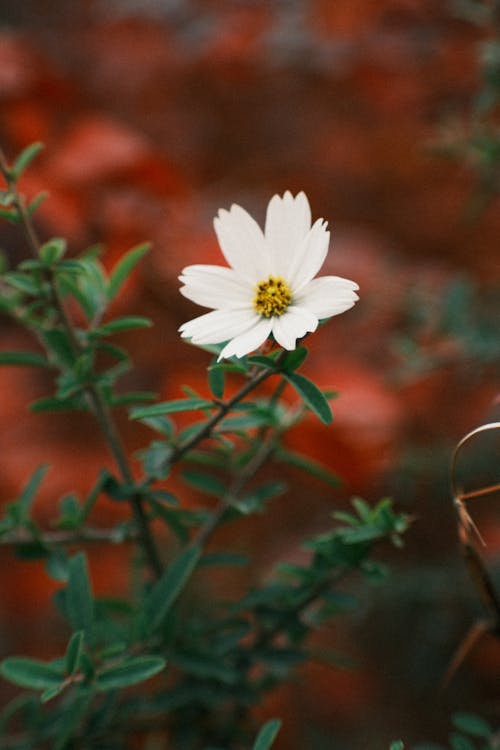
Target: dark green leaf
<point>79,600</point>
<point>74,652</point>
<point>60,347</point>
<point>267,735</point>
<point>23,359</point>
<point>25,158</point>
<point>223,558</point>
<point>311,395</point>
<point>31,673</point>
<point>204,482</point>
<point>460,742</point>
<point>165,592</point>
<point>130,672</point>
<point>171,407</point>
<point>10,215</point>
<point>23,282</point>
<point>134,397</point>
<point>472,724</point>
<point>397,745</point>
<point>124,267</point>
<point>204,666</point>
<point>55,404</point>
<point>294,359</point>
<point>216,380</point>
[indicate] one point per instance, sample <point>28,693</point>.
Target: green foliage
<point>223,656</point>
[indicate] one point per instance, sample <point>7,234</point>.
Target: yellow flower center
<point>272,297</point>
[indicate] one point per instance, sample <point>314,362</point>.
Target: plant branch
<point>96,400</point>
<point>57,538</point>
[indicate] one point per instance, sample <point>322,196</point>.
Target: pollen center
<point>272,297</point>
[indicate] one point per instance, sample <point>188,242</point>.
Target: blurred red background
<point>155,114</point>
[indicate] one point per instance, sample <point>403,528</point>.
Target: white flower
<point>269,287</point>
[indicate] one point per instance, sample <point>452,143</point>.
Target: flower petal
<point>327,295</point>
<point>288,220</point>
<point>248,341</point>
<point>309,256</point>
<point>218,325</point>
<point>292,325</point>
<point>216,286</point>
<point>242,243</point>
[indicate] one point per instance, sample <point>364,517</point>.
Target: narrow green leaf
<point>36,202</point>
<point>311,395</point>
<point>124,267</point>
<point>126,323</point>
<point>134,397</point>
<point>165,592</point>
<point>74,652</point>
<point>307,464</point>
<point>54,404</point>
<point>171,407</point>
<point>25,158</point>
<point>79,600</point>
<point>204,482</point>
<point>129,673</point>
<point>267,735</point>
<point>460,742</point>
<point>397,745</point>
<point>31,673</point>
<point>23,282</point>
<point>23,359</point>
<point>28,494</point>
<point>50,693</point>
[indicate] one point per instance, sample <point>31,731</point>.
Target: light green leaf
<point>127,323</point>
<point>171,407</point>
<point>52,251</point>
<point>173,581</point>
<point>129,673</point>
<point>31,673</point>
<point>311,395</point>
<point>267,735</point>
<point>25,158</point>
<point>124,267</point>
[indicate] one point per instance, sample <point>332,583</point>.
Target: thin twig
<point>63,538</point>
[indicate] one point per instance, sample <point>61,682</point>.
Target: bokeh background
<point>154,114</point>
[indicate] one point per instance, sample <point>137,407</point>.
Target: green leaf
<point>10,215</point>
<point>79,600</point>
<point>472,724</point>
<point>23,359</point>
<point>207,667</point>
<point>54,404</point>
<point>124,267</point>
<point>216,380</point>
<point>397,745</point>
<point>74,652</point>
<point>311,395</point>
<point>23,282</point>
<point>25,158</point>
<point>36,202</point>
<point>459,742</point>
<point>127,323</point>
<point>204,482</point>
<point>294,359</point>
<point>171,407</point>
<point>28,494</point>
<point>307,464</point>
<point>31,673</point>
<point>60,347</point>
<point>129,673</point>
<point>169,587</point>
<point>267,735</point>
<point>52,251</point>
